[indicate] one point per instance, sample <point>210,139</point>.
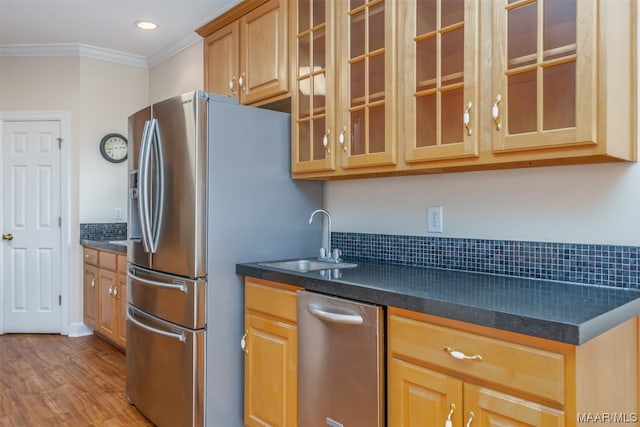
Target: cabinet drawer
<point>90,256</point>
<point>275,301</point>
<point>516,366</point>
<point>108,261</point>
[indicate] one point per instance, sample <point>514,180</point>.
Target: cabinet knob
<point>241,82</point>
<point>93,282</point>
<point>232,86</point>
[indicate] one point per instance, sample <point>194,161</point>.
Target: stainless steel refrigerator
<point>209,186</point>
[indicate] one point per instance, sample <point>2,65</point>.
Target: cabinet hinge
<point>59,143</point>
<point>60,300</point>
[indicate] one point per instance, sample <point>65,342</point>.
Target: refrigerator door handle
<point>143,188</point>
<point>155,226</point>
<point>177,286</point>
<point>179,336</point>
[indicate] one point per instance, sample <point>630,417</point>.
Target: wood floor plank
<point>55,380</point>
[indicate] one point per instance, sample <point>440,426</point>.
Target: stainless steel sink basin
<point>119,242</point>
<point>305,265</point>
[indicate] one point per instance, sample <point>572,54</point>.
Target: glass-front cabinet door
<point>544,77</point>
<point>438,59</point>
<point>366,100</point>
<point>313,113</point>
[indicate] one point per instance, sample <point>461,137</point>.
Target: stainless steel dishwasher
<point>340,362</point>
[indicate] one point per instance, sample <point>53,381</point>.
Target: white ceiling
<point>105,26</point>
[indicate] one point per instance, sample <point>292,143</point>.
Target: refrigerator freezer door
<point>165,368</point>
<point>182,130</point>
<point>138,123</point>
<point>173,298</point>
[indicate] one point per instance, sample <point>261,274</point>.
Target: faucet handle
<point>323,253</point>
<point>335,255</point>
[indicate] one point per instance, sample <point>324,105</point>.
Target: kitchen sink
<point>305,265</point>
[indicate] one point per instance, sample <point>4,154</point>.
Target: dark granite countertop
<point>560,311</point>
<point>105,244</point>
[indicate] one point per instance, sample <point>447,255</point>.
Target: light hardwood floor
<point>53,380</point>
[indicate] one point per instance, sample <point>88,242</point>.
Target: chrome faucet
<point>327,254</point>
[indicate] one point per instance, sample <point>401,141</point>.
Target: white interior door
<point>31,233</point>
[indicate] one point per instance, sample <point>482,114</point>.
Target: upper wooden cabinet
<point>246,52</point>
<point>480,85</point>
<point>438,55</point>
<point>343,108</point>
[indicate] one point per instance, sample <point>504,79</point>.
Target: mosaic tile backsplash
<point>606,265</point>
<point>104,231</point>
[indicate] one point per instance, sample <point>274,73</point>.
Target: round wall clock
<point>113,147</point>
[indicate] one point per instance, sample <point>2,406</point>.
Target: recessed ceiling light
<point>146,25</point>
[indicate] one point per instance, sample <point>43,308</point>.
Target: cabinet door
<point>366,100</point>
<point>222,61</point>
<point>313,133</point>
<point>90,295</point>
<point>438,62</point>
<point>544,76</point>
<point>106,310</point>
<point>270,372</point>
<point>263,52</point>
<point>492,409</point>
<point>420,397</point>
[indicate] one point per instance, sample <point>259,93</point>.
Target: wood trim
<point>229,16</point>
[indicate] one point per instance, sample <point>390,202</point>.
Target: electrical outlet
<point>434,219</point>
<point>117,214</point>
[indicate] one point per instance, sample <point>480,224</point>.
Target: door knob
<point>7,236</point>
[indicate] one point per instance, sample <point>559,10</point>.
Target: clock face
<point>114,148</point>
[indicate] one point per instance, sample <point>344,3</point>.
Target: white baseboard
<point>79,330</point>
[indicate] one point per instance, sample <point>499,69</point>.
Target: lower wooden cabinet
<point>441,370</point>
<point>270,361</point>
<point>105,300</point>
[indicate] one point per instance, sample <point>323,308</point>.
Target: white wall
<point>98,96</point>
<point>181,73</point>
<point>578,204</point>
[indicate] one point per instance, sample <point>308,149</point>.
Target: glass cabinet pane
<point>522,111</point>
<point>427,117</point>
<point>452,106</point>
<point>376,23</point>
<point>304,101</point>
<point>303,15</point>
<point>426,63</point>
<point>376,78</point>
<point>319,12</point>
<point>452,12</point>
<point>304,136</point>
<point>357,34</point>
<point>425,16</point>
<point>559,96</point>
<point>319,54</point>
<point>559,36</point>
<point>452,56</point>
<point>319,129</point>
<point>522,43</point>
<point>357,83</point>
<point>304,52</point>
<point>357,132</point>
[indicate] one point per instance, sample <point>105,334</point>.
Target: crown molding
<point>73,49</point>
<point>173,49</point>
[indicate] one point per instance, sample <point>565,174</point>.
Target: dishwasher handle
<point>331,316</point>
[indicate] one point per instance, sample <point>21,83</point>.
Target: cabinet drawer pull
<point>495,112</point>
<point>341,139</point>
<point>448,422</point>
<point>466,118</point>
<point>243,342</point>
<point>232,86</point>
<point>471,417</point>
<point>461,356</point>
<point>325,141</point>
